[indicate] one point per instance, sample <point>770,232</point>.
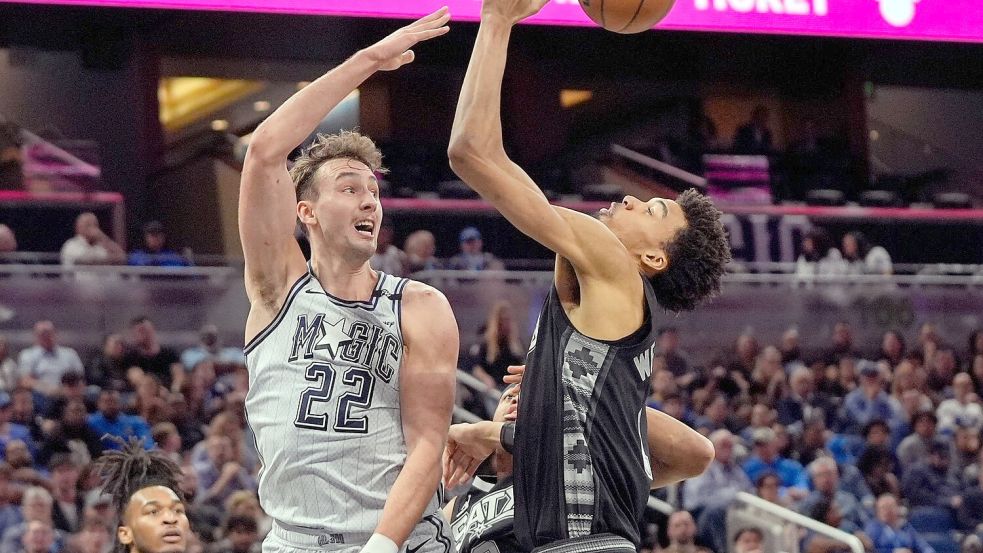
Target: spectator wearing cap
<point>36,507</point>
<point>43,364</point>
<point>155,251</point>
<point>68,506</point>
<point>889,533</point>
<point>963,408</point>
<point>111,420</point>
<point>930,483</point>
<point>10,431</point>
<point>793,478</point>
<point>71,431</point>
<point>471,256</point>
<point>869,402</point>
<point>90,245</point>
<point>914,448</point>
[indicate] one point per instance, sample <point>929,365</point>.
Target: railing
<point>750,502</point>
<point>659,166</point>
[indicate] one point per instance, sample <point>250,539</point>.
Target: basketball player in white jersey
<point>351,371</point>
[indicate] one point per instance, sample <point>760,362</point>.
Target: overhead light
<point>219,125</point>
<point>261,105</point>
<point>572,98</point>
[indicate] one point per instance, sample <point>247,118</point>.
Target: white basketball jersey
<point>323,403</point>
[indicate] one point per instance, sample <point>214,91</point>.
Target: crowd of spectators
<point>883,444</point>
<point>58,413</point>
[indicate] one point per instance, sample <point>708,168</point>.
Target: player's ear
<point>125,535</point>
<point>655,260</point>
<point>305,212</point>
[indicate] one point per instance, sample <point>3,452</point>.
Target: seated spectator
<point>681,531</point>
<point>963,409</point>
<point>10,431</point>
<point>826,488</point>
<point>36,507</point>
<point>239,535</point>
<point>676,360</point>
<point>827,512</point>
<point>246,503</point>
<point>39,537</point>
<point>111,420</point>
<point>914,448</point>
<point>869,402</point>
<point>93,538</point>
<point>930,483</point>
<point>209,348</point>
<point>90,246</point>
<point>168,440</point>
<point>72,388</point>
<point>8,241</point>
<point>22,412</point>
<point>976,373</point>
<point>762,416</point>
<point>155,252</point>
<point>68,506</point>
<point>768,487</point>
<point>965,450</point>
<point>749,540</point>
<point>9,374</point>
<point>43,364</point>
<point>721,481</point>
<point>205,518</point>
<point>754,136</point>
<point>220,474</point>
<point>876,464</point>
<point>892,348</point>
<point>766,459</point>
<point>388,258</point>
<point>819,257</point>
<point>716,415</point>
<point>148,354</point>
<point>941,372</point>
<point>841,344</point>
<point>889,533</point>
<point>499,347</point>
<point>863,258</point>
<point>812,443</point>
<point>18,455</point>
<point>802,402</point>
<point>107,369</point>
<point>72,432</point>
<point>662,384</point>
<point>970,513</point>
<point>421,247</point>
<point>674,405</point>
<point>471,257</point>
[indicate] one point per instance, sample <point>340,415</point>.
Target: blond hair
<point>346,144</point>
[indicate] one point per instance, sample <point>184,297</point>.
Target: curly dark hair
<point>698,255</point>
<point>132,469</point>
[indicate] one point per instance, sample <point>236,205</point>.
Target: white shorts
<point>431,535</point>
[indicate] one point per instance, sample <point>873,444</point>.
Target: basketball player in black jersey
<point>581,457</point>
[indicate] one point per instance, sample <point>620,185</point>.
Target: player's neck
<point>343,278</point>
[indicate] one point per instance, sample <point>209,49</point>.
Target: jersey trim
<point>369,304</point>
<point>398,307</point>
<point>294,290</point>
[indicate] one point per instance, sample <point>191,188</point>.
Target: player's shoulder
<point>419,293</point>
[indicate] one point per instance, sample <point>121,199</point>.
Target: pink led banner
<point>939,20</point>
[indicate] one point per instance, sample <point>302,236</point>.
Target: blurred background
<point>841,139</point>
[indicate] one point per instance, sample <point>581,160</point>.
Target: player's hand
<point>394,51</point>
<point>512,11</point>
<point>515,374</point>
<point>468,445</point>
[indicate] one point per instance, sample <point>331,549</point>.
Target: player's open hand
<point>512,11</point>
<point>394,51</point>
<point>468,445</point>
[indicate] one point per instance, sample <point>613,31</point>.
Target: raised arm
<point>267,200</point>
<point>478,156</point>
<point>426,395</point>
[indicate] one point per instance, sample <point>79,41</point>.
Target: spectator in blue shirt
<point>793,478</point>
<point>889,534</point>
<point>156,253</point>
<point>10,431</point>
<point>109,420</point>
<point>869,402</point>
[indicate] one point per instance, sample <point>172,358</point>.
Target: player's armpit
<point>676,451</point>
<point>427,380</point>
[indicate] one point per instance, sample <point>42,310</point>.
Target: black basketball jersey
<point>483,519</point>
<point>581,454</point>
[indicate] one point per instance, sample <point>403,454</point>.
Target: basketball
<point>626,16</point>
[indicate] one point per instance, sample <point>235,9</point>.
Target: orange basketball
<point>627,16</point>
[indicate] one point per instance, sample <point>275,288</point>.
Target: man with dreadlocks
<point>144,486</point>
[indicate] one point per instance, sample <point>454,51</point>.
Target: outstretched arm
<point>267,200</point>
<point>427,381</point>
<point>478,156</point>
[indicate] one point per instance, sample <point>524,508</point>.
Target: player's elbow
<point>263,148</point>
<point>467,153</point>
<point>701,451</point>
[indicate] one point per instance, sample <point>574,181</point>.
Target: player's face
<point>155,522</point>
<point>506,410</point>
<point>645,228</point>
<point>346,214</point>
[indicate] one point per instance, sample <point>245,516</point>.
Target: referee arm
<point>427,380</point>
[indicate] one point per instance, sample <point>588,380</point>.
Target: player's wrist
<point>506,436</point>
<point>379,543</point>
